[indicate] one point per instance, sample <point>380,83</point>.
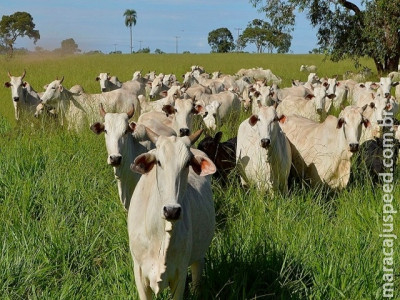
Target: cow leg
<point>197,270</point>
<point>178,285</point>
<point>143,289</point>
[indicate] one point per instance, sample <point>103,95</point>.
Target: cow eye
<point>105,131</point>
<point>214,115</point>
<point>158,163</point>
<point>205,114</point>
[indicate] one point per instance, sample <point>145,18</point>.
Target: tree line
<point>344,30</point>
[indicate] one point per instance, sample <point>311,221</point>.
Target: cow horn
<point>23,74</point>
<point>102,111</point>
<point>195,136</point>
<point>9,74</point>
<point>62,79</point>
<point>152,135</point>
<point>131,112</point>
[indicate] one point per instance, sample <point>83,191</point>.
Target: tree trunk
<point>389,65</point>
<point>130,28</point>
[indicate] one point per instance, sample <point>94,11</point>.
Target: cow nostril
<point>172,213</point>
<point>380,122</point>
<point>387,95</point>
<point>16,99</point>
<point>265,143</point>
<point>354,147</point>
<point>184,131</point>
<point>115,160</point>
<point>103,89</point>
<point>319,110</point>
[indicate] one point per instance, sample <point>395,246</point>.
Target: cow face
<point>53,92</point>
<point>319,98</point>
<point>385,85</point>
<point>172,158</point>
<point>211,117</point>
<point>156,87</point>
<point>181,115</point>
<point>16,85</point>
<point>104,80</point>
<point>350,121</point>
<point>117,130</point>
<point>265,124</point>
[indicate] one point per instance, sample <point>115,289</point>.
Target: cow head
<point>265,124</point>
<point>117,130</point>
<point>156,86</point>
<point>53,91</point>
<point>385,85</point>
<point>181,115</point>
<point>172,159</point>
<point>104,80</point>
<point>16,84</point>
<point>211,116</point>
<point>350,121</point>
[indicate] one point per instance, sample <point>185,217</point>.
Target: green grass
<point>63,232</point>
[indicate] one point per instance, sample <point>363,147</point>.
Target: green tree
<point>130,19</point>
<point>344,29</point>
<point>19,24</point>
<point>69,46</point>
<point>264,35</point>
<point>221,40</point>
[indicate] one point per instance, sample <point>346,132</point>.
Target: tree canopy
<point>346,30</point>
<point>19,24</point>
<point>69,46</point>
<point>221,40</point>
<point>264,35</point>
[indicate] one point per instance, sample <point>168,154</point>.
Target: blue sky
<point>99,25</point>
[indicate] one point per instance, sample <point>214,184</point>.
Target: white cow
<point>157,86</point>
<point>321,152</point>
<point>76,107</point>
<point>259,74</point>
<point>24,97</point>
<point>310,69</point>
<point>124,142</point>
<point>108,83</point>
<point>174,120</point>
<point>385,86</point>
<point>172,219</point>
<point>171,95</point>
<point>314,107</point>
<point>263,152</point>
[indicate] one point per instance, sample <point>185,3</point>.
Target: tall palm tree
<point>130,18</point>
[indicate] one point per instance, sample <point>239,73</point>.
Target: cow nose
<point>103,89</point>
<point>184,131</point>
<point>16,99</point>
<point>387,95</point>
<point>380,122</point>
<point>319,110</point>
<point>265,143</point>
<point>353,147</point>
<point>172,212</point>
<point>115,160</point>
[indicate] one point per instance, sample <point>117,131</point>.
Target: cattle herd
<point>163,180</point>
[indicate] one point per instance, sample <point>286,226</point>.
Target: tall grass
<point>63,233</point>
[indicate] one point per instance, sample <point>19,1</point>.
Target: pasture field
<point>63,230</point>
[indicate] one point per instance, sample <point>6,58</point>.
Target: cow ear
<point>132,126</point>
<point>7,84</point>
<point>282,119</point>
<point>24,84</point>
<point>366,122</point>
<point>340,123</point>
<point>164,93</point>
<point>202,165</point>
<point>253,120</point>
<point>97,128</point>
<point>61,88</point>
<point>395,83</point>
<point>143,163</point>
<point>168,109</point>
<point>309,96</point>
<point>217,137</point>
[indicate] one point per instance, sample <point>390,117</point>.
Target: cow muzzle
<point>115,160</point>
<point>16,99</point>
<point>184,132</point>
<point>354,147</point>
<point>265,143</point>
<point>172,212</point>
